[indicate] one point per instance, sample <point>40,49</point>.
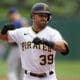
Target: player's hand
<point>43,41</point>
<point>37,40</point>
<point>6,28</point>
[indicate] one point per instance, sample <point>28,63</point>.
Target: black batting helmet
<point>41,8</point>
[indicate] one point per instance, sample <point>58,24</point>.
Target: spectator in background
<point>14,63</point>
<point>15,18</point>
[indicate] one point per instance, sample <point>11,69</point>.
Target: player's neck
<point>36,29</point>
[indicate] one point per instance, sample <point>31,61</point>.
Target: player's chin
<point>42,25</point>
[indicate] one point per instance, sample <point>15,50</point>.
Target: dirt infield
<point>4,78</point>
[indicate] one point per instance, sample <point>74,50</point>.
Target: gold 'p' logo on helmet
<point>45,7</point>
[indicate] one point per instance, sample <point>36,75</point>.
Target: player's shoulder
<point>51,29</point>
<point>23,29</point>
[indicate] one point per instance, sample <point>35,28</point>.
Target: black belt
<point>41,75</point>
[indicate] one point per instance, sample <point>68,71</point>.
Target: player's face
<point>12,17</point>
<point>40,19</point>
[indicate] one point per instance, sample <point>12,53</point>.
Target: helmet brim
<point>47,12</point>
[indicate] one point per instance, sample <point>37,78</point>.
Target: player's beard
<point>42,24</point>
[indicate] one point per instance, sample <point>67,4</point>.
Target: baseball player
<point>14,62</point>
<point>38,45</point>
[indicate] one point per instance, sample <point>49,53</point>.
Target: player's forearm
<point>59,46</point>
<point>3,37</point>
<point>62,47</point>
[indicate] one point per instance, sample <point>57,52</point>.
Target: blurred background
<point>65,18</point>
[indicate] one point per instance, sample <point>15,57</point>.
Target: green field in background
<point>65,70</point>
<point>3,68</point>
<point>68,70</point>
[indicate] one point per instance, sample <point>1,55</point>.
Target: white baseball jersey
<point>35,58</point>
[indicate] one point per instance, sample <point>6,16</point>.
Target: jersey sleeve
<point>56,36</point>
<point>12,36</point>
